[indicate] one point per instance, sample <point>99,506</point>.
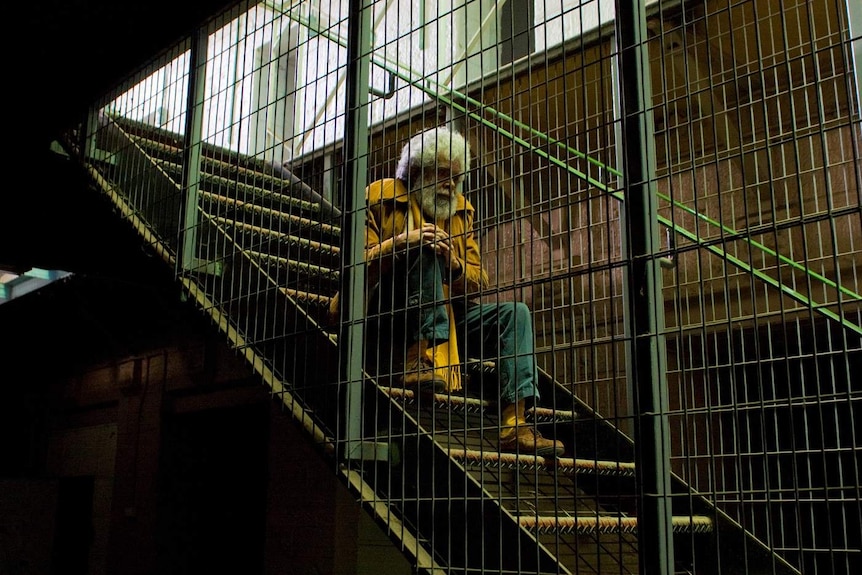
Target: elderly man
<point>423,262</point>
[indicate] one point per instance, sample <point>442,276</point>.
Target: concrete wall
<point>177,460</point>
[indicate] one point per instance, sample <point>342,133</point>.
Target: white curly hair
<point>425,149</point>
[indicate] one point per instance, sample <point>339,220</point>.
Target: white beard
<point>436,207</point>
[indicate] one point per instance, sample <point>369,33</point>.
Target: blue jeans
<point>409,305</point>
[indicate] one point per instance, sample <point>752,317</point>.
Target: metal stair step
<point>263,211</point>
<point>308,298</point>
<point>311,245</point>
<point>225,169</point>
<point>248,177</point>
<point>455,402</point>
<point>608,524</point>
<point>468,404</point>
<point>550,415</point>
<point>565,465</point>
<point>320,272</point>
<point>251,191</point>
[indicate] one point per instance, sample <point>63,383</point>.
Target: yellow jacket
<point>388,202</point>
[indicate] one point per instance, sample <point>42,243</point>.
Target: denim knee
<point>515,311</point>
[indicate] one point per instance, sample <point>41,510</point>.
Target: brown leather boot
<point>419,371</point>
<point>524,439</point>
<point>518,436</point>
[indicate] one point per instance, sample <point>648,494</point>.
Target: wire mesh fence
<point>230,154</point>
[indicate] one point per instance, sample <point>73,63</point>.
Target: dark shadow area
<point>212,511</point>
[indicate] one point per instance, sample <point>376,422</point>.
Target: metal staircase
<point>265,265</point>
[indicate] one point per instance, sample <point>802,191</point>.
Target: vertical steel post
<point>645,310</point>
<point>854,14</point>
<point>352,292</point>
<point>192,148</point>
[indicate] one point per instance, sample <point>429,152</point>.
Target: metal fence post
<point>854,14</point>
<point>352,292</point>
<point>645,310</point>
<point>192,149</point>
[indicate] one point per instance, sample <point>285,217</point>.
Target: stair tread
<point>564,464</point>
<point>475,404</point>
<point>318,270</point>
<point>281,236</point>
<point>330,229</point>
<point>214,164</point>
<point>609,523</point>
<point>307,297</point>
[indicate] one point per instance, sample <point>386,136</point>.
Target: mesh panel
<point>232,155</point>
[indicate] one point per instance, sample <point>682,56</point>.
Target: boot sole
<point>552,452</point>
<point>427,387</point>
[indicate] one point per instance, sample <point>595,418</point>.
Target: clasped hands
<point>429,235</point>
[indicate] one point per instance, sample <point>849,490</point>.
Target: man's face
<point>439,187</point>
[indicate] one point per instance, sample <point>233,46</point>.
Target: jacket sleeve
<point>473,277</point>
<point>379,253</point>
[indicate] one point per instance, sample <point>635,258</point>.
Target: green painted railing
<point>460,101</point>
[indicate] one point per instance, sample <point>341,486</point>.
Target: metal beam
<point>192,149</point>
<point>352,292</point>
<point>645,309</point>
